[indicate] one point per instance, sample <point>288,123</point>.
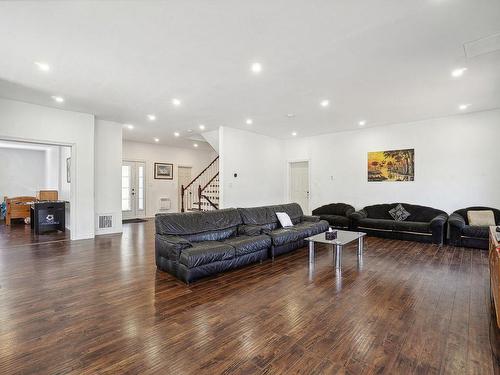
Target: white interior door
<point>184,177</point>
<point>133,189</point>
<point>299,184</point>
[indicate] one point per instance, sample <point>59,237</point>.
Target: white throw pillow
<point>481,218</point>
<point>284,219</point>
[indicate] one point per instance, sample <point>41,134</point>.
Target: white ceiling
<point>385,61</point>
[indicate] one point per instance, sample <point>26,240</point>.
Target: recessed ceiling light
<point>151,117</point>
<point>202,127</point>
<point>362,123</point>
<point>195,144</point>
<point>58,99</point>
<point>463,107</point>
<point>294,133</point>
<point>459,72</point>
<point>290,115</point>
<point>256,67</point>
<point>129,126</point>
<point>44,67</point>
<point>249,121</point>
<point>176,134</point>
<point>176,102</point>
<point>325,103</point>
<point>157,140</point>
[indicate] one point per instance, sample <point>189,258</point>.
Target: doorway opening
<point>298,184</point>
<point>35,192</point>
<point>133,190</point>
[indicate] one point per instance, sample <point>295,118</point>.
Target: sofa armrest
<point>438,228</point>
<point>349,212</point>
<point>249,230</point>
<point>457,221</point>
<point>358,215</point>
<point>170,247</point>
<point>314,219</point>
<point>457,224</point>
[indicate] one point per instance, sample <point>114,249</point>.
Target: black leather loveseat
<point>197,244</point>
<point>463,234</point>
<point>425,224</point>
<point>337,214</point>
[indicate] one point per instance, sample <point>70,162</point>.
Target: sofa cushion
<point>463,212</point>
<point>417,213</point>
<point>263,217</point>
<point>284,219</point>
<point>475,231</point>
<point>308,229</point>
<point>337,209</point>
<point>384,224</point>
<point>399,213</point>
<point>481,218</point>
<point>283,236</point>
<point>195,223</point>
<point>292,209</point>
<point>412,226</point>
<point>248,244</point>
<point>206,252</point>
<point>336,220</point>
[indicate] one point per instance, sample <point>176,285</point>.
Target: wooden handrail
<point>203,171</point>
<point>209,182</point>
<point>210,202</point>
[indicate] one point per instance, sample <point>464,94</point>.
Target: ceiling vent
<point>482,46</point>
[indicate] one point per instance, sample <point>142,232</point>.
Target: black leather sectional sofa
<point>425,224</point>
<point>197,244</point>
<point>463,234</point>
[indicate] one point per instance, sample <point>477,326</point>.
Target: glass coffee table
<point>344,237</point>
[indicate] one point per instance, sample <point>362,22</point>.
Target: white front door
<point>184,178</point>
<point>133,189</point>
<point>299,184</point>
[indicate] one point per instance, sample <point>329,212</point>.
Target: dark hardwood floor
<point>100,307</point>
<point>19,234</point>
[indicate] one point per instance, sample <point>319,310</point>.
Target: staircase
<point>202,194</point>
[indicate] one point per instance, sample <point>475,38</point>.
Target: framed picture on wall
<point>68,170</point>
<point>392,165</point>
<point>164,171</point>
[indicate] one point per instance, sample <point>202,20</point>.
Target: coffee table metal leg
<point>311,251</point>
<point>361,245</point>
<point>338,256</point>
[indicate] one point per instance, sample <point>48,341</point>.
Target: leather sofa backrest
<point>463,213</point>
<point>292,209</point>
<point>420,214</point>
<point>339,209</point>
<point>265,216</point>
<point>200,225</point>
<point>259,216</point>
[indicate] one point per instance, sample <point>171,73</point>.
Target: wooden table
<point>494,263</point>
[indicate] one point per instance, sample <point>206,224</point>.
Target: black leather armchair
<point>337,214</point>
<point>425,224</point>
<point>463,234</point>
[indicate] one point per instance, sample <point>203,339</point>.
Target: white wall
<point>259,164</point>
<point>23,121</point>
<point>22,172</point>
<point>52,168</point>
<point>151,153</point>
<point>456,163</point>
<point>108,166</point>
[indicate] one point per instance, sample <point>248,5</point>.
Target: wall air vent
<point>105,221</point>
<point>482,46</point>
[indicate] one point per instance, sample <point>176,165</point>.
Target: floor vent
<point>105,221</point>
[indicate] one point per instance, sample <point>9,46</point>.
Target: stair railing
<point>192,194</point>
